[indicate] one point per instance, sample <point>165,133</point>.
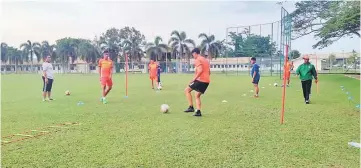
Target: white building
<point>232,64</point>
<point>321,61</point>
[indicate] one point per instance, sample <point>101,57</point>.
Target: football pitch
<point>132,132</point>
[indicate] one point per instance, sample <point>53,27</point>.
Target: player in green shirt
<point>306,71</point>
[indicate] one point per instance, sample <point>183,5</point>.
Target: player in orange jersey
<point>288,69</point>
<point>199,82</point>
<point>153,70</point>
<point>105,71</point>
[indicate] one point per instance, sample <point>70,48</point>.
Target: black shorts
<point>47,86</point>
<point>199,86</point>
<point>256,81</point>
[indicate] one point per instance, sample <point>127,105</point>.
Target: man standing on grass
<point>199,83</point>
<point>158,75</point>
<point>105,71</point>
<point>255,76</point>
<point>152,67</point>
<point>305,72</point>
<point>288,69</point>
<point>48,78</point>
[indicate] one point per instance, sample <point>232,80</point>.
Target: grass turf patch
<point>132,132</point>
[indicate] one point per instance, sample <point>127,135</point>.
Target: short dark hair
<point>105,52</point>
<point>253,58</point>
<point>196,50</point>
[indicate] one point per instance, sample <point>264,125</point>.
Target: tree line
<point>327,20</point>
<point>130,41</point>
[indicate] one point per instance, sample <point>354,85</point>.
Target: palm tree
<point>14,56</point>
<point>110,44</point>
<point>179,41</point>
<point>48,50</point>
<point>88,52</point>
<point>28,49</point>
<point>209,46</point>
<point>156,48</point>
<point>133,47</point>
<point>66,49</point>
<point>4,48</point>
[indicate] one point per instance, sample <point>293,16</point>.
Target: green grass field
<point>132,132</point>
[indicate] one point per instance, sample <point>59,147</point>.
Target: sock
<point>198,111</point>
<point>191,107</point>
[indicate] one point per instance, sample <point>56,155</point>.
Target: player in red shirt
<point>288,68</point>
<point>199,82</point>
<point>153,71</point>
<point>105,71</point>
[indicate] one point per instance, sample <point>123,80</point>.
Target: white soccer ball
<point>164,108</point>
<point>275,84</point>
<point>67,92</point>
<point>160,86</point>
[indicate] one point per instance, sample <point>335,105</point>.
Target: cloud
<point>43,20</point>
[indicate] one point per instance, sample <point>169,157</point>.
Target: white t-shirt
<point>48,68</point>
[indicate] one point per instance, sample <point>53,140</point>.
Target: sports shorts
<point>47,86</point>
<point>256,81</point>
<point>288,74</point>
<point>106,81</point>
<point>199,86</point>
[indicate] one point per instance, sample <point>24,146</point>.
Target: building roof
<point>327,55</point>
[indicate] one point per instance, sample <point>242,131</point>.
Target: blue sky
<point>52,20</point>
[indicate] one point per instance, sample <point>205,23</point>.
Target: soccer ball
<point>275,84</point>
<point>164,108</point>
<point>160,86</point>
<point>67,92</point>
